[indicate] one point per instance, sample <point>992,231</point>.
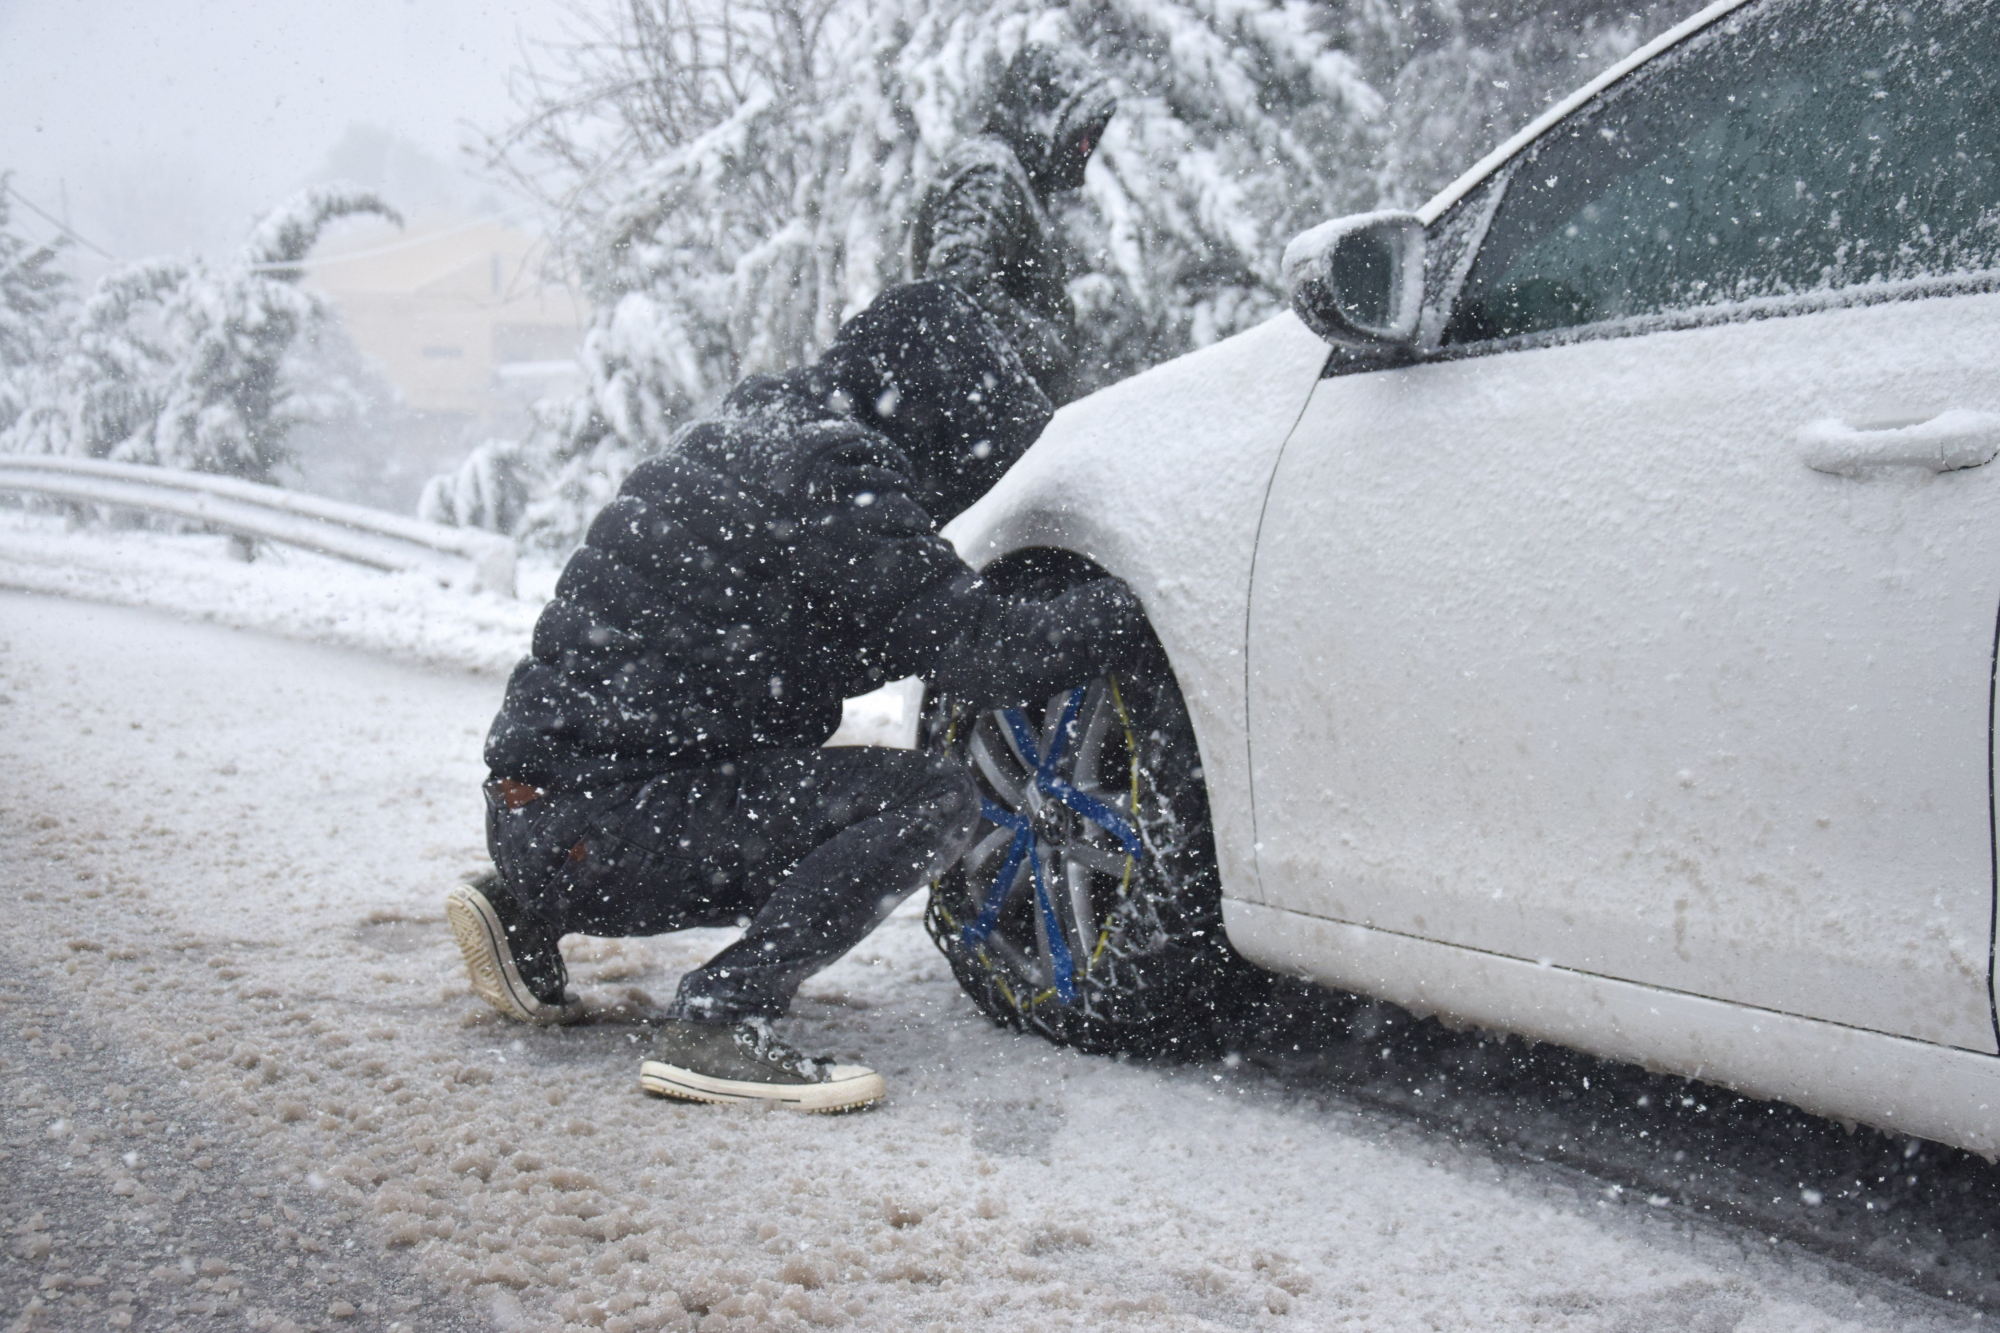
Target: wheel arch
<point>1160,480</point>
<point>1204,657</point>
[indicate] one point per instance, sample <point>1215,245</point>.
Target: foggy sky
<point>173,123</point>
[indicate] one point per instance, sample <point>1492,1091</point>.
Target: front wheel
<point>1089,909</point>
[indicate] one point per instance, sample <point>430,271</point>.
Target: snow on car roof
<point>1492,162</point>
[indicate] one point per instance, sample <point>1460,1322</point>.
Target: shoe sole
<point>846,1091</point>
<point>490,963</point>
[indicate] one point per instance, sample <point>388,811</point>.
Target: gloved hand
<point>1109,622</point>
<point>1020,650</point>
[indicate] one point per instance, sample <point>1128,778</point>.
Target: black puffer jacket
<point>784,555</point>
<point>984,222</point>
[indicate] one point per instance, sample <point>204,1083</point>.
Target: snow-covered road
<point>228,995</point>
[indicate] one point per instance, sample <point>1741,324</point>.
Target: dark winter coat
<point>784,554</point>
<point>984,222</point>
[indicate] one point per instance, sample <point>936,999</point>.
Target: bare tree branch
<point>633,82</point>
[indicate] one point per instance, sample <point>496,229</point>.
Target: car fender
<point>1160,479</point>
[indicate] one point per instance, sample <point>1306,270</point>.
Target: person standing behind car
<point>984,223</point>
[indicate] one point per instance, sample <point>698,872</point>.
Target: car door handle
<point>1947,442</point>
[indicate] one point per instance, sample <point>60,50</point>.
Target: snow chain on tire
<point>1089,908</point>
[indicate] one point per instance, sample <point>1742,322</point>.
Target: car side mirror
<point>1358,281</point>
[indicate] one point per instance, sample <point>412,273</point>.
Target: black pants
<point>808,850</point>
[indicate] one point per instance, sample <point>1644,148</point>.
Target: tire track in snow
<point>1920,1213</point>
<point>130,1206</point>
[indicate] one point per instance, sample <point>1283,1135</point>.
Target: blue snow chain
<point>1025,845</point>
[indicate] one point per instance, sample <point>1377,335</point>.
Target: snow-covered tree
<point>109,379</point>
<point>738,179</point>
<point>34,304</point>
<point>175,363</point>
<point>1458,78</point>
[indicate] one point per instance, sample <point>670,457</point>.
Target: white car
<point>1589,632</point>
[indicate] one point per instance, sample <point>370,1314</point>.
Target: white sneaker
<point>513,959</point>
<point>746,1062</point>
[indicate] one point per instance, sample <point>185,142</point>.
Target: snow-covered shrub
<point>487,491</point>
<point>737,180</point>
<point>34,305</point>
<point>175,363</point>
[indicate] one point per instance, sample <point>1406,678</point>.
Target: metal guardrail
<point>460,557</point>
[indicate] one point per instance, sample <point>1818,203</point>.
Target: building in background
<point>464,321</point>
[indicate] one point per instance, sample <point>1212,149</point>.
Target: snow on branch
<point>289,232</point>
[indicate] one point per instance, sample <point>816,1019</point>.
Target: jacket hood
<point>1051,108</point>
<point>930,370</point>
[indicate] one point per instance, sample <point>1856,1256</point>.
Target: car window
<point>1450,245</point>
<point>1798,147</point>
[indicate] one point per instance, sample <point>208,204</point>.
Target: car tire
<point>1150,971</point>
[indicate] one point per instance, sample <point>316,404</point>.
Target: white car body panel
<point>1160,480</point>
<point>1566,654</point>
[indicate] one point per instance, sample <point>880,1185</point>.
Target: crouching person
<point>656,764</point>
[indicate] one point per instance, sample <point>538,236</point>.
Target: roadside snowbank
<point>299,595</point>
<point>284,591</point>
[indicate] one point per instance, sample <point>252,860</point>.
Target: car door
<point>1647,627</point>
